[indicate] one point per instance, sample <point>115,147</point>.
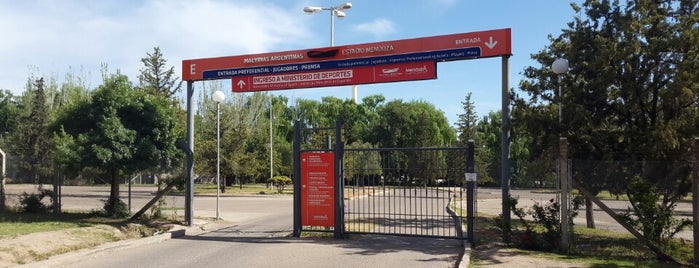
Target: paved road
<point>489,202</point>
<point>258,237</point>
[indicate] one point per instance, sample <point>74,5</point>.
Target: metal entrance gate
<point>405,191</point>
<point>394,191</point>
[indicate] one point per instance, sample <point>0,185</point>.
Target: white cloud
<point>55,35</point>
<point>378,27</point>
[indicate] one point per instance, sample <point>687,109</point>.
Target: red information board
<point>460,46</point>
<point>407,71</point>
<point>318,189</point>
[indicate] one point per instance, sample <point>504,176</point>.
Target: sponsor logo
<point>390,71</point>
<point>416,70</point>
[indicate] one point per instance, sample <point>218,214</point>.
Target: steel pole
<point>189,197</point>
<point>271,141</point>
<point>505,149</point>
<point>218,157</point>
<point>695,200</point>
<point>332,27</point>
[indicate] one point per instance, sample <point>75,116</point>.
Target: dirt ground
<point>34,247</point>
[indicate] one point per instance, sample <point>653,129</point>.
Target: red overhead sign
<point>318,189</point>
<point>472,45</point>
<point>408,71</point>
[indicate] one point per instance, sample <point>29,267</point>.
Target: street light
<point>336,11</point>
<point>560,66</point>
<point>218,97</point>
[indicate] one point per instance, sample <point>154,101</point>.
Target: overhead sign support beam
<point>379,62</point>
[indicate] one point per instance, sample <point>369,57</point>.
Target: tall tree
<point>631,95</point>
<point>32,141</point>
<point>119,130</point>
<point>155,78</point>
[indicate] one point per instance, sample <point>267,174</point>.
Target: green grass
<point>14,224</point>
<point>247,189</point>
<point>591,247</point>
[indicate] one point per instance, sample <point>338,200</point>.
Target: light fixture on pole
<point>218,97</point>
<point>335,11</point>
<point>560,66</point>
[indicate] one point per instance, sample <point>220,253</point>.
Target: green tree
<point>31,139</point>
<point>630,95</point>
<point>119,130</point>
<point>468,126</point>
<point>155,78</point>
<point>9,116</point>
<point>412,124</point>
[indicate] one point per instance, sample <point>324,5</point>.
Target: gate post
<point>695,199</point>
<point>470,189</point>
<point>565,189</point>
<point>297,179</point>
<point>339,228</point>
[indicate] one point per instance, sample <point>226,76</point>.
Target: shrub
<point>115,208</point>
<point>545,229</point>
<point>280,182</point>
<point>33,203</point>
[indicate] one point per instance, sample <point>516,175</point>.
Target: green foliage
<point>31,140</point>
<point>9,115</point>
<point>629,95</point>
<point>656,222</point>
<point>544,231</point>
<point>115,208</point>
<point>118,130</point>
<point>155,79</point>
<point>33,203</point>
<point>280,182</point>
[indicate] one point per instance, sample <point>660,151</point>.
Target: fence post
<point>565,189</point>
<point>695,199</point>
<point>2,181</point>
<point>297,178</point>
<point>470,189</point>
<point>339,228</point>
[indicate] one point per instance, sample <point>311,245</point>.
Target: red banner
<point>318,189</point>
<point>409,71</point>
<point>490,43</point>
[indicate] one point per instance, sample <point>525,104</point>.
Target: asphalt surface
<point>254,232</point>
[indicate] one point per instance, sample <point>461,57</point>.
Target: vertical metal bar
<point>505,153</point>
<point>470,188</point>
<point>339,230</point>
<point>695,200</point>
<point>297,179</point>
<point>189,197</point>
<point>563,158</point>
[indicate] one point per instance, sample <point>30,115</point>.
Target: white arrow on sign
<point>241,84</point>
<point>491,44</point>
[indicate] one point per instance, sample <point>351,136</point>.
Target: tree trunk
<point>222,185</point>
<point>589,217</point>
<point>114,192</point>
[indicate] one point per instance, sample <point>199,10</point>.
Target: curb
<point>66,259</point>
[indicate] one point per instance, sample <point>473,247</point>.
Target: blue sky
<point>52,37</point>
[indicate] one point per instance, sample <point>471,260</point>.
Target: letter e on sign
<point>192,69</point>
